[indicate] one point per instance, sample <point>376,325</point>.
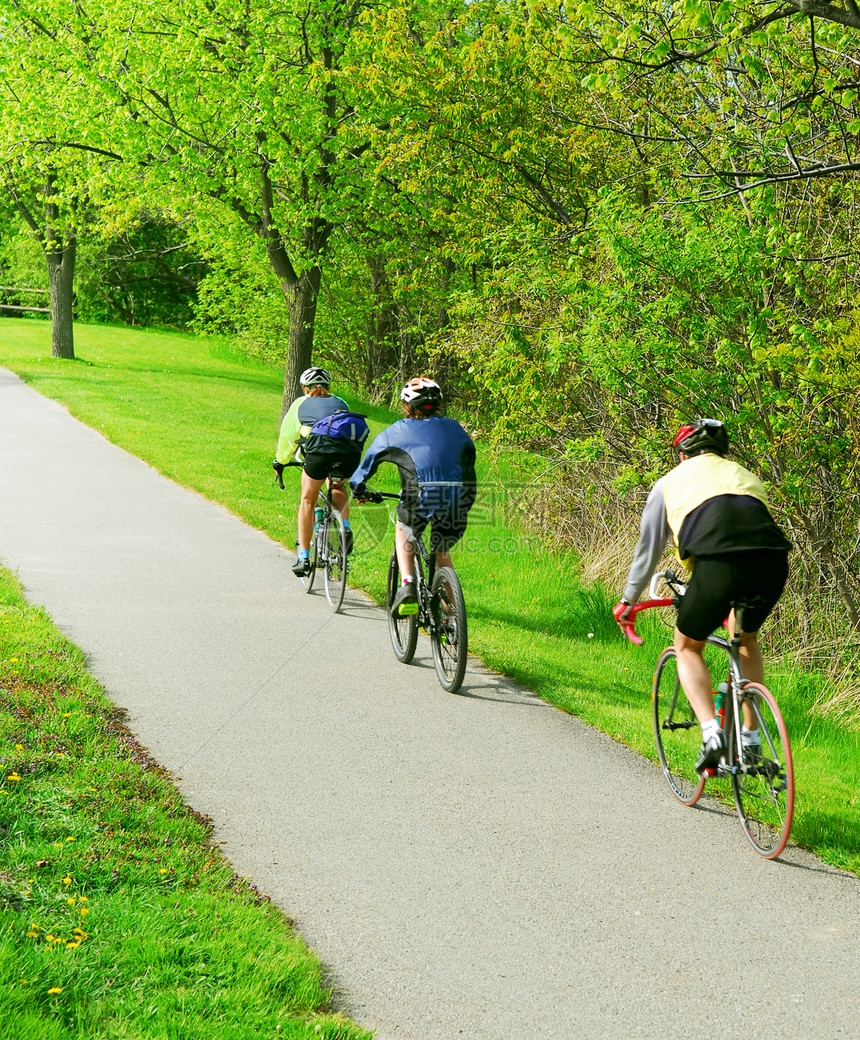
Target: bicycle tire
<point>307,580</point>
<point>764,791</point>
<point>334,559</point>
<point>676,731</point>
<point>449,636</point>
<point>403,630</point>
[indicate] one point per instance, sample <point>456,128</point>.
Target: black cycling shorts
<point>318,466</point>
<point>757,575</point>
<point>447,528</point>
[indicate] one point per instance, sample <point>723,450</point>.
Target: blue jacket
<point>436,460</point>
<point>297,423</point>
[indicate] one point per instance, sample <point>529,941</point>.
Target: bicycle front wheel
<point>403,630</point>
<point>677,732</point>
<point>763,780</point>
<point>448,633</point>
<point>335,560</point>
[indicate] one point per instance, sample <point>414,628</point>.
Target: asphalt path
<point>478,865</point>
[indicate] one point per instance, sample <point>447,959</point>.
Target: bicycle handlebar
<point>628,624</point>
<point>377,496</point>
<point>279,468</point>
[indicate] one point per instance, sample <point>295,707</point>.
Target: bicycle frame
<point>441,611</point>
<point>761,773</point>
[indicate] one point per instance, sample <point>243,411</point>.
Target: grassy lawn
<point>209,419</point>
<point>118,917</point>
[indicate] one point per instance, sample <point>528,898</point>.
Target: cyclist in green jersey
<point>316,403</point>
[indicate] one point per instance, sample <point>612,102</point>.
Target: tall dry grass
<point>577,508</point>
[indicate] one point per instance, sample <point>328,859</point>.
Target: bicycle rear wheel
<point>677,732</point>
<point>307,580</point>
<point>334,557</point>
<point>403,630</point>
<point>763,784</point>
<point>448,633</point>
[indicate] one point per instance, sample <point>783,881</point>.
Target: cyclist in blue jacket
<point>436,460</point>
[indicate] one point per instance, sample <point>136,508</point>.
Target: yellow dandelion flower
<point>67,880</point>
<point>24,982</point>
<point>13,776</point>
<point>71,901</point>
<point>19,747</point>
<point>72,945</point>
<point>84,911</point>
<point>66,714</point>
<point>70,838</point>
<point>32,935</point>
<point>59,938</point>
<point>3,790</point>
<point>49,937</point>
<point>163,870</point>
<point>84,899</point>
<point>56,989</point>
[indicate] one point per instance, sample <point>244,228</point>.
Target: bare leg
<point>753,669</point>
<point>310,490</point>
<point>694,675</point>
<point>443,559</point>
<point>340,500</point>
<point>405,551</point>
<point>751,665</point>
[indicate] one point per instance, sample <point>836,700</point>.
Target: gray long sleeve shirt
<point>654,532</point>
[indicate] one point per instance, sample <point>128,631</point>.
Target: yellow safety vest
<point>693,481</point>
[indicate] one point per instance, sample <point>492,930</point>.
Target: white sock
<point>710,729</point>
<point>750,737</point>
<point>407,581</point>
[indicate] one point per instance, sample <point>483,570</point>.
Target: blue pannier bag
<point>342,426</point>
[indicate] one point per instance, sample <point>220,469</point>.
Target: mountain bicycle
<point>441,612</point>
<point>762,776</point>
<point>328,550</point>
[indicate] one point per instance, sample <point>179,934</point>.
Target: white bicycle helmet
<point>421,392</point>
<point>315,376</point>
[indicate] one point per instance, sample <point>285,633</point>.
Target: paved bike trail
<point>478,865</point>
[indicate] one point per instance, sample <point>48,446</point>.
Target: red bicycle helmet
<point>702,435</point>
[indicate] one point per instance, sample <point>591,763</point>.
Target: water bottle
<point>318,517</point>
<point>719,697</point>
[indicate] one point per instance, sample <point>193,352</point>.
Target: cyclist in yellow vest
<point>717,515</point>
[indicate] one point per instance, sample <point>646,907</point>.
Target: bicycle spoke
<point>763,781</point>
<point>676,731</point>
<point>448,634</point>
<point>335,560</point>
<point>403,630</point>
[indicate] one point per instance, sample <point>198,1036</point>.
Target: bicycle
<point>762,777</point>
<point>328,551</point>
<point>441,612</point>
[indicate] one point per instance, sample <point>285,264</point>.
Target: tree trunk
<point>61,277</point>
<point>302,299</point>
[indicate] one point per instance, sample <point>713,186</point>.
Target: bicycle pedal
<point>711,771</point>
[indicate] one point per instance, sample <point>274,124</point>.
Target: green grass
<point>208,419</point>
<point>118,917</point>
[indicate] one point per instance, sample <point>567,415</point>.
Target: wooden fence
<point>16,307</point>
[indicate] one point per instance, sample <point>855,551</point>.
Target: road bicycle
<point>762,777</point>
<point>441,612</point>
<point>328,548</point>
